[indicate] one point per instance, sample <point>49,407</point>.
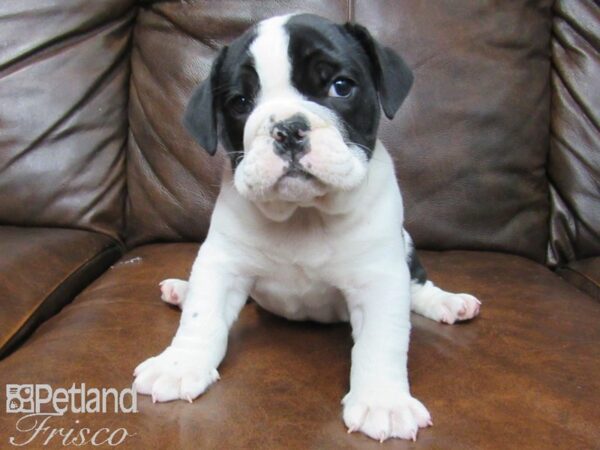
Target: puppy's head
<point>296,102</point>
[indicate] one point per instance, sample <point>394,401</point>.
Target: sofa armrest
<point>584,274</point>
<point>41,270</point>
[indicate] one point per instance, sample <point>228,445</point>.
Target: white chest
<point>292,266</point>
<point>299,294</point>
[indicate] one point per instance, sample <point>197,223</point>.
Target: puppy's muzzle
<point>290,138</point>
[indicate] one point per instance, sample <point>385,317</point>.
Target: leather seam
<point>581,274</point>
<point>31,319</point>
<point>586,284</point>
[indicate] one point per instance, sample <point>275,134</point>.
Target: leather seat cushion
<point>521,373</point>
<point>42,269</point>
<point>585,274</point>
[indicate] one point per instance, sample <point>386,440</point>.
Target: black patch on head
<point>322,52</point>
<point>222,103</point>
<point>393,78</point>
<point>200,116</point>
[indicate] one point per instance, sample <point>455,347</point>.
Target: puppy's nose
<point>290,137</point>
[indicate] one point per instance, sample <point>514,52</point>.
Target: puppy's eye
<point>341,87</point>
<point>240,105</point>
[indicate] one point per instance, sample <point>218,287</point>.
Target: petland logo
<point>41,402</point>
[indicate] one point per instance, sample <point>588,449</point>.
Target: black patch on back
<point>417,271</point>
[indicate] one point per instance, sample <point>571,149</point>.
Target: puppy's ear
<point>200,118</point>
<point>393,78</point>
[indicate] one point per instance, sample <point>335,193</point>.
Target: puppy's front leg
<point>215,296</point>
<point>379,402</point>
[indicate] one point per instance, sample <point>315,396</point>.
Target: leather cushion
<point>64,73</point>
<point>471,141</point>
<point>42,269</point>
<point>585,274</point>
<point>574,159</point>
<point>521,373</point>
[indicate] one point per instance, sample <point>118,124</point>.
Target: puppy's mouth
<point>295,170</point>
<point>297,185</point>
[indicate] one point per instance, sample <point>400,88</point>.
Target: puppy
<point>309,219</point>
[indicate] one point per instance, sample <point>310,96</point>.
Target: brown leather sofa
<point>103,194</point>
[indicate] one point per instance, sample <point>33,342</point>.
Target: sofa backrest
<point>470,143</point>
<point>574,159</point>
<point>496,147</point>
<point>64,73</point>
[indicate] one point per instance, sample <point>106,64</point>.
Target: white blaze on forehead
<point>271,58</point>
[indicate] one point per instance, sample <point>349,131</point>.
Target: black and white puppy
<point>309,219</point>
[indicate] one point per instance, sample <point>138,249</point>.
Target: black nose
<point>291,137</point>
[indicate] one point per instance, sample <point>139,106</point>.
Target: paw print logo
<point>20,398</point>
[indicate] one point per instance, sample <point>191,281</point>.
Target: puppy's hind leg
<point>173,291</point>
<point>432,302</point>
<point>436,304</point>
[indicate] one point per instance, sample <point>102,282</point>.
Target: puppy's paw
<point>442,306</point>
<point>456,307</point>
<point>174,374</point>
<point>382,416</point>
<point>173,291</point>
